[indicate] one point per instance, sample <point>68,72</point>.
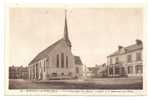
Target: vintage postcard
<point>75,50</point>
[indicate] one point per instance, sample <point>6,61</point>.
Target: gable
<point>44,53</point>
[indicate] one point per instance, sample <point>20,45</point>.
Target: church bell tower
<point>66,37</point>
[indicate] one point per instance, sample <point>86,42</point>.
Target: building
<point>56,61</point>
<point>102,70</point>
<point>97,71</point>
<point>91,72</point>
<point>126,61</point>
<point>18,72</point>
<point>78,67</point>
<point>24,73</point>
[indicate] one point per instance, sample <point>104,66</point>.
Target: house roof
<point>133,47</point>
<point>44,53</point>
<point>78,60</point>
<point>129,48</point>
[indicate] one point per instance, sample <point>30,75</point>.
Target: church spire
<point>66,37</point>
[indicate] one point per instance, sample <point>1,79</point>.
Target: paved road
<point>104,83</point>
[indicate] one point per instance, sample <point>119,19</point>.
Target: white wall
<point>61,48</point>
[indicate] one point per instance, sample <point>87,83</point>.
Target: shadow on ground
<point>78,84</point>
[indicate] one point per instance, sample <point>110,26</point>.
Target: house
<point>18,72</point>
<point>102,70</point>
<point>91,72</point>
<point>56,61</point>
<point>97,71</point>
<point>126,61</point>
<point>78,67</point>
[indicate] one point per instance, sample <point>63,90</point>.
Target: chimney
<point>138,42</point>
<point>120,47</point>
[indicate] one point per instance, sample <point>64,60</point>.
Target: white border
<point>2,19</point>
<point>72,92</point>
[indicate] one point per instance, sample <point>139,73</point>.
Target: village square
<point>57,67</point>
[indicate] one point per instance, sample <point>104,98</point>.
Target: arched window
<point>62,60</point>
<point>44,65</point>
<point>66,61</point>
<point>57,59</point>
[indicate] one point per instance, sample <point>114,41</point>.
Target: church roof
<point>78,60</point>
<point>129,48</point>
<point>44,53</point>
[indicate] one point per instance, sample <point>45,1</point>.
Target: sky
<point>94,32</point>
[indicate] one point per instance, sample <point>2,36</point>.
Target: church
<point>56,61</point>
